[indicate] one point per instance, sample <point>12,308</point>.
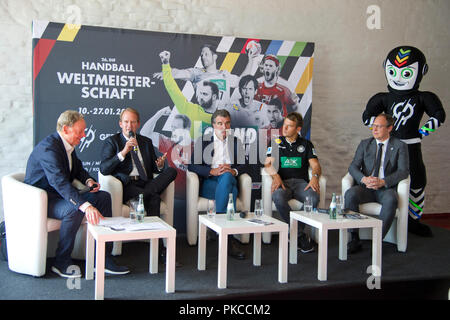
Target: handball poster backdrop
<point>99,71</point>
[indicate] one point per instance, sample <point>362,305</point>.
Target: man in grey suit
<point>380,163</point>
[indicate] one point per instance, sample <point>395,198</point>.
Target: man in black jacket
<point>131,158</point>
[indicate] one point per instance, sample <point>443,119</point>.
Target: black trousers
<point>151,190</point>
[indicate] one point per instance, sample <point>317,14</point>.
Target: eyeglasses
<point>378,126</point>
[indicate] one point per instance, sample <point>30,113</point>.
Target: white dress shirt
<point>221,152</point>
<point>134,171</point>
<point>69,149</point>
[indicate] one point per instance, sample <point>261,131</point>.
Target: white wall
<point>347,66</point>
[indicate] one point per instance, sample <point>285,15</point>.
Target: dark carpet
<point>423,272</point>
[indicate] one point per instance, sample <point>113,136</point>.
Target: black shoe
<point>234,251</point>
<point>112,268</point>
<point>418,228</point>
<point>305,243</point>
<point>354,246</point>
<point>67,271</point>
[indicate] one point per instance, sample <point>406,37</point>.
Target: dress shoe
<point>234,251</point>
<point>418,228</point>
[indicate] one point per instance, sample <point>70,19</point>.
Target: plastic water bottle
<point>230,207</point>
<point>332,211</point>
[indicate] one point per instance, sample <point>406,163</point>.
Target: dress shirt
<point>221,153</point>
<point>134,171</point>
<point>69,149</point>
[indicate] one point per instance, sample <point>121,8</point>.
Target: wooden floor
<point>441,220</point>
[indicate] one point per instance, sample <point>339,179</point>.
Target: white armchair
<point>269,206</point>
<point>398,233</point>
<point>31,235</point>
<point>113,185</point>
<point>195,203</point>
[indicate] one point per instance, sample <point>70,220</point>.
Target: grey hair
<point>68,118</point>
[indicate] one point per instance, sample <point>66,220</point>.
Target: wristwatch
<point>316,175</point>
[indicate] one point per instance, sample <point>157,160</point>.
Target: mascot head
<point>404,68</point>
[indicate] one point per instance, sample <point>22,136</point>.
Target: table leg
<point>153,268</point>
<point>257,249</point>
<point>89,256</point>
<point>170,264</point>
<point>376,251</point>
<point>293,241</point>
<point>223,255</point>
<point>201,259</point>
<point>343,239</point>
<point>100,271</point>
<point>282,257</point>
<point>323,253</point>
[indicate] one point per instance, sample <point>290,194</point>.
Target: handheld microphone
<point>131,134</point>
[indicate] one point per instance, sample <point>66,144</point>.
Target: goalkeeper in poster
<point>404,68</point>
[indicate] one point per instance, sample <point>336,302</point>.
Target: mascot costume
<point>404,68</point>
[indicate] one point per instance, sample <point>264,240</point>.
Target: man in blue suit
<point>218,159</point>
<point>380,163</point>
<point>53,166</point>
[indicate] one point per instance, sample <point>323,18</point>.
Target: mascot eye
<point>407,73</point>
<point>392,72</point>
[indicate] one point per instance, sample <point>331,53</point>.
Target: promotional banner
<point>175,81</point>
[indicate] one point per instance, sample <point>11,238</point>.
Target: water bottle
<point>140,212</point>
<point>332,211</point>
<point>230,207</point>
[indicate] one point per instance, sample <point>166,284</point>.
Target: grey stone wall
<point>352,38</point>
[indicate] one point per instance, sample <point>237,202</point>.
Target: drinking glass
<point>308,204</point>
<point>258,208</point>
<point>133,209</point>
<point>211,208</point>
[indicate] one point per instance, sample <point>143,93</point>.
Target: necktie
<point>378,161</point>
<point>138,165</point>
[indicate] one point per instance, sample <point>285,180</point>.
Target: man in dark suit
<point>131,158</point>
<point>380,163</point>
<point>53,166</point>
<point>218,159</point>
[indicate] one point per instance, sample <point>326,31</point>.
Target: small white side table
<point>322,222</point>
<point>104,234</point>
<point>224,227</point>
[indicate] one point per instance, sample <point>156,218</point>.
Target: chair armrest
<point>403,197</point>
<point>192,187</point>
<point>25,213</point>
<point>245,191</point>
<point>167,196</point>
<point>112,185</point>
<point>346,183</point>
<point>266,192</point>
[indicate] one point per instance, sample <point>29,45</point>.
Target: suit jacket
<point>396,161</point>
<point>48,169</point>
<point>111,165</point>
<point>203,152</point>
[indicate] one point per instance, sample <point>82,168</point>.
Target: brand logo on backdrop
<point>86,141</point>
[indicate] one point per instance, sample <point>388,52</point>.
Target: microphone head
<point>131,134</point>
